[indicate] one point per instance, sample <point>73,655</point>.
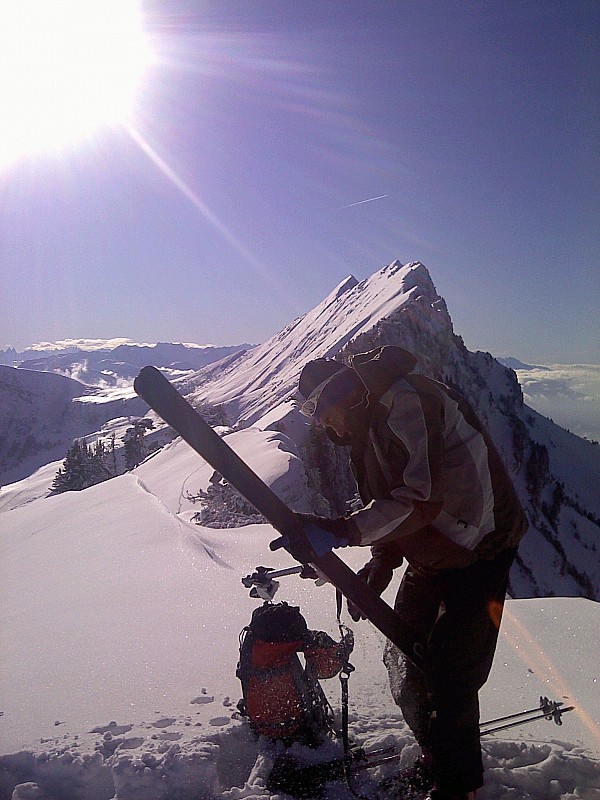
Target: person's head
<point>331,390</point>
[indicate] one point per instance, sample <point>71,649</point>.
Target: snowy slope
<point>119,616</point>
<point>120,624</point>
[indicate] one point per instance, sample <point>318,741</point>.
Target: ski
<point>166,401</point>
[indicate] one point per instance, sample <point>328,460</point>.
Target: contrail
<point>360,202</point>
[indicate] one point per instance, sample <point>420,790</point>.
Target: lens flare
<point>532,654</point>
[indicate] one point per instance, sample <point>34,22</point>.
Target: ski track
<point>185,483</point>
<point>188,530</point>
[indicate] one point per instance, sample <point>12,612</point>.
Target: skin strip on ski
<point>163,398</point>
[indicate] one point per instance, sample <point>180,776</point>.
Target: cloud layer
<point>567,393</point>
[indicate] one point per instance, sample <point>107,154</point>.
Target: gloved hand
<point>321,537</point>
<point>377,576</point>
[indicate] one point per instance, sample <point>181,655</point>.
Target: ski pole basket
<point>547,709</point>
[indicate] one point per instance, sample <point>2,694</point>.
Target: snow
<point>119,616</point>
<point>120,622</point>
<point>107,395</point>
<point>569,455</point>
<point>25,491</point>
<point>42,412</point>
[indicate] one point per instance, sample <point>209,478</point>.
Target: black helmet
<point>316,372</point>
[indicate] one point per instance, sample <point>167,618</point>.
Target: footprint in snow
<point>170,736</point>
<point>202,699</point>
<point>164,722</point>
<point>113,728</point>
<point>218,721</point>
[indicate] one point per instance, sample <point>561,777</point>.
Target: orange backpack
<point>282,698</point>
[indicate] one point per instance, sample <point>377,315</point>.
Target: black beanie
<point>315,372</point>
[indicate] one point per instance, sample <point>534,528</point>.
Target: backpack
<point>283,699</point>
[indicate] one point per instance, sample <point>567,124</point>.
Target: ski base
<point>163,398</point>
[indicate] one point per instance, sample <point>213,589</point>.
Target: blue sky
<point>225,208</point>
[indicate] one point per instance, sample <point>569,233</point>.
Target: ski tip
<point>146,377</point>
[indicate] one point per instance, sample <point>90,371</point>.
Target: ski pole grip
<point>278,543</point>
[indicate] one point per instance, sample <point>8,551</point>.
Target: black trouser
<point>458,613</point>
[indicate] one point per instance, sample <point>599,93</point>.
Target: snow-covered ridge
<point>104,366</point>
<point>264,376</point>
<point>161,350</point>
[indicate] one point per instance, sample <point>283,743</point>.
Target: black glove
<point>377,576</point>
<point>335,526</point>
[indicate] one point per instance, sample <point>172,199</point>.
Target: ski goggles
<point>329,394</point>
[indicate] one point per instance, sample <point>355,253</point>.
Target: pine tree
<point>134,442</point>
<point>83,466</point>
<point>113,455</point>
<point>76,471</point>
<point>100,464</point>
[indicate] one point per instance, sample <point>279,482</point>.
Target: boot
<point>417,777</point>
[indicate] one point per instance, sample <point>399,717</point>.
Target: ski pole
<point>547,709</point>
<point>265,573</point>
<point>262,581</point>
<point>519,713</point>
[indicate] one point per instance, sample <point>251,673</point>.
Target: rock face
<point>555,472</point>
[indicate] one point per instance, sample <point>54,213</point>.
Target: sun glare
<point>67,69</point>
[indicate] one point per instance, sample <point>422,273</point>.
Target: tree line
<point>86,465</point>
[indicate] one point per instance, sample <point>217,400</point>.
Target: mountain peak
<point>416,274</point>
<point>353,312</point>
<point>348,283</point>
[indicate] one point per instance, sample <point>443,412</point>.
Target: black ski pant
<point>457,613</point>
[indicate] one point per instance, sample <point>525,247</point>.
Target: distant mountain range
<point>111,366</point>
<point>48,398</point>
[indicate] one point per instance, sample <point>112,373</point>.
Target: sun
<point>67,69</point>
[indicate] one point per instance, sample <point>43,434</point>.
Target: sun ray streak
<point>193,197</point>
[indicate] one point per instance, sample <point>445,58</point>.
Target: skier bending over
<point>436,493</point>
